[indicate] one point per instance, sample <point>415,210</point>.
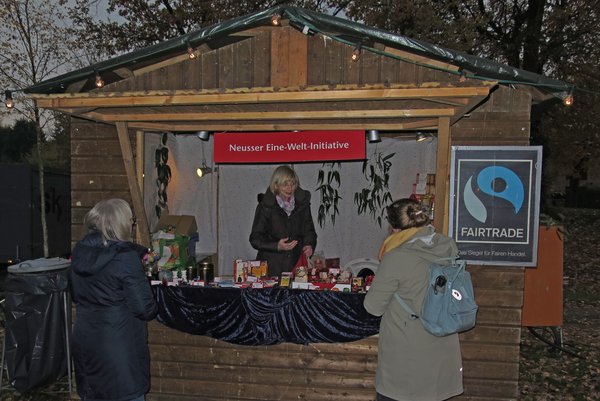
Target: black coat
<point>271,224</point>
<point>110,337</point>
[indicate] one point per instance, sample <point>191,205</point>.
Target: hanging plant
<point>163,174</point>
<point>328,185</point>
<point>376,196</point>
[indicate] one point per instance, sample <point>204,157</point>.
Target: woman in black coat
<point>283,227</point>
<point>113,302</point>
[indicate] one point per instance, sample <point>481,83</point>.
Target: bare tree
<point>34,46</point>
<point>132,24</point>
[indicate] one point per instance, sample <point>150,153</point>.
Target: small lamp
<point>204,135</point>
<point>356,53</point>
<point>8,100</point>
<point>568,101</point>
<point>202,171</point>
<point>99,81</point>
<point>190,51</point>
<point>421,137</point>
<point>373,135</point>
<point>276,20</point>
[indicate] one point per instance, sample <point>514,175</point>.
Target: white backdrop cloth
<point>224,202</point>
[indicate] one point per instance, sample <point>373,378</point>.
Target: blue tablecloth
<point>265,316</point>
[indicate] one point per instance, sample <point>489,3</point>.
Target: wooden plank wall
<point>97,170</point>
<point>188,367</point>
<point>491,349</point>
<point>282,57</point>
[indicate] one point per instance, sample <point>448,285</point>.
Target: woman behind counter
<point>113,301</point>
<point>283,227</point>
<point>413,365</point>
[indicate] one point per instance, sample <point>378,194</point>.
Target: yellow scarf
<point>396,239</point>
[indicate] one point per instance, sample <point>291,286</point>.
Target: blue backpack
<point>449,305</point>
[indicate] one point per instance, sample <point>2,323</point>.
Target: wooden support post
<point>139,170</point>
<point>442,176</point>
<point>134,188</point>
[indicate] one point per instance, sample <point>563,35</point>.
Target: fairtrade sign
<point>276,147</point>
<point>495,197</point>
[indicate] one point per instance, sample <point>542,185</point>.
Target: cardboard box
<point>300,286</point>
<point>332,263</point>
<point>259,268</point>
<point>286,279</point>
<point>173,253</point>
<point>241,270</point>
<point>179,224</point>
<point>171,240</point>
<point>342,288</point>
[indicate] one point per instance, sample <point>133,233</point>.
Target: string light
<point>190,51</point>
<point>356,53</point>
<point>8,100</point>
<point>276,20</point>
<point>99,80</point>
<point>568,101</point>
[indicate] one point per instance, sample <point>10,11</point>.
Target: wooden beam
<point>139,172</point>
<point>76,86</point>
<point>136,194</point>
<point>274,115</point>
<point>457,102</point>
<point>288,126</point>
<point>257,95</point>
<point>473,103</point>
<point>442,176</point>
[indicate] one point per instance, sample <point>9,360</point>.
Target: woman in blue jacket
<point>113,302</point>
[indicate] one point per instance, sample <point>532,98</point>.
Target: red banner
<point>286,147</point>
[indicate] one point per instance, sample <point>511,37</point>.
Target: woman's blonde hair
<point>113,218</point>
<point>281,175</point>
<point>407,213</point>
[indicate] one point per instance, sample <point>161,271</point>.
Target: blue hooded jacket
<point>110,337</point>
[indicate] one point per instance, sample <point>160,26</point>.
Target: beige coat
<point>413,365</point>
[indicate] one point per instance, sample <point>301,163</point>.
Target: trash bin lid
<point>39,265</point>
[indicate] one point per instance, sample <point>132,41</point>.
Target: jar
<point>206,272</point>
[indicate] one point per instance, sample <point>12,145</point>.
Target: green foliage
<point>376,196</point>
<point>163,172</point>
<point>17,142</point>
<point>328,183</point>
<point>56,149</point>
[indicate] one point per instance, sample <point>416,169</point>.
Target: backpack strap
<point>453,260</point>
<point>407,308</point>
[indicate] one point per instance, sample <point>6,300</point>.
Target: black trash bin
<point>38,320</point>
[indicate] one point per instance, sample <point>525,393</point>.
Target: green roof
<point>340,29</point>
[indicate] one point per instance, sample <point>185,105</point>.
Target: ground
<point>547,373</point>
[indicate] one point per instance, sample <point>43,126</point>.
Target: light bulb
<point>276,20</point>
<point>568,100</point>
<point>99,81</point>
<point>9,102</point>
<point>191,53</point>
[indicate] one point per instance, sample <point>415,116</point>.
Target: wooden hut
<point>248,74</point>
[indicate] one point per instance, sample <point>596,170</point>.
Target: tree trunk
<point>531,43</point>
<point>40,143</point>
